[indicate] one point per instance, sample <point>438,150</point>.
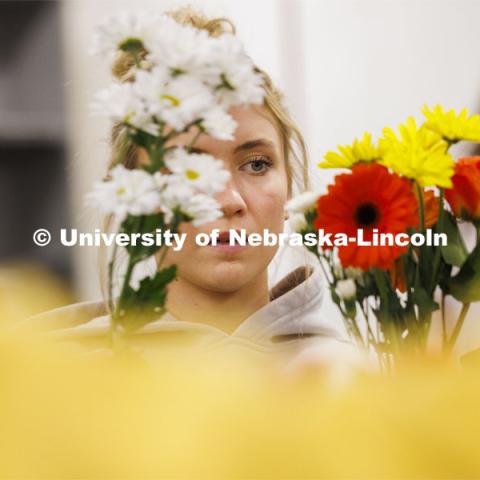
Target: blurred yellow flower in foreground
<point>451,126</point>
<point>419,154</point>
<point>29,288</point>
<point>67,415</point>
<point>362,150</point>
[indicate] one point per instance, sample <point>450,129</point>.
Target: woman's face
<point>253,199</point>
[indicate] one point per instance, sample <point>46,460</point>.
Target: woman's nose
<point>230,200</point>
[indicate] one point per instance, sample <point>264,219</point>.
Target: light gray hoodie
<point>291,322</point>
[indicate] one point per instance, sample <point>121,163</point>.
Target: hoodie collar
<point>293,310</point>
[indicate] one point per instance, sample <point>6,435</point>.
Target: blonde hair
<point>293,143</point>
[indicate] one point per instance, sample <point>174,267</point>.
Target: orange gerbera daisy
<point>368,198</point>
<point>431,208</point>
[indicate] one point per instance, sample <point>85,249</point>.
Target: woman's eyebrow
<point>196,150</point>
<point>261,142</point>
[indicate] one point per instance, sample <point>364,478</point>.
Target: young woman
<point>221,294</point>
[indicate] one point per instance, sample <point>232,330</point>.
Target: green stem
<point>194,139</point>
<point>436,258</point>
<point>444,322</point>
<point>425,323</point>
<point>115,342</point>
<point>458,326</point>
<point>421,206</point>
<point>126,281</point>
<point>477,230</point>
<point>378,275</point>
<point>389,328</point>
<point>110,279</point>
<point>330,282</point>
<point>358,334</point>
<point>369,330</point>
<point>421,209</point>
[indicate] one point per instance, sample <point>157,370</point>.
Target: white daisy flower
<point>219,124</point>
<point>134,27</point>
<point>202,208</point>
<point>128,192</point>
<point>236,81</point>
<point>119,103</point>
<point>199,170</point>
<point>185,100</point>
<point>173,193</point>
<point>303,202</point>
<point>177,194</point>
<point>177,102</point>
<point>182,49</point>
<point>244,86</point>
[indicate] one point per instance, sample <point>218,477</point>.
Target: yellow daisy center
<point>191,174</point>
<point>173,100</point>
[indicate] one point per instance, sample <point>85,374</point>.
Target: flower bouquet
<point>404,190</point>
<point>181,80</point>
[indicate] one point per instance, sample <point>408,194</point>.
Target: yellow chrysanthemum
<point>419,153</point>
<point>360,151</point>
<point>451,126</point>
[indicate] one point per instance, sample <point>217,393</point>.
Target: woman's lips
<point>223,243</point>
<point>225,247</point>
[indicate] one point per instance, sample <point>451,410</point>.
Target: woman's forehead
<point>255,125</point>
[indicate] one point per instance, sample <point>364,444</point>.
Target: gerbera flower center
<point>367,214</point>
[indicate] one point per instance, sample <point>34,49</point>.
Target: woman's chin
<point>226,276</point>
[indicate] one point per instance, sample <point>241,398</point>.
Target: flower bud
<point>464,197</point>
<point>346,289</point>
<point>298,222</point>
<point>353,272</point>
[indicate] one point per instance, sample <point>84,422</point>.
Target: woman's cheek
<point>267,204</point>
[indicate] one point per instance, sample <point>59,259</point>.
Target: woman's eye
<point>258,165</point>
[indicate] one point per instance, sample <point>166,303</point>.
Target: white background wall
<point>346,66</point>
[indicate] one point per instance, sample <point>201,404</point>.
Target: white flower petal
<point>303,202</point>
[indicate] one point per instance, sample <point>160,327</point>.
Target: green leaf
<point>424,301</point>
<point>156,155</point>
<point>142,224</point>
<point>350,308</point>
<point>142,138</point>
<point>366,287</point>
<point>465,286</point>
<point>311,215</point>
<point>426,255</point>
<point>455,252</point>
<point>146,304</point>
<point>390,310</point>
<point>409,267</point>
